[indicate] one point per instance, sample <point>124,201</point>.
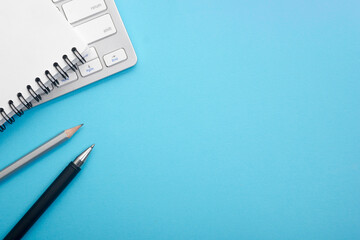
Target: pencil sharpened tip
<point>92,146</point>
<point>70,132</point>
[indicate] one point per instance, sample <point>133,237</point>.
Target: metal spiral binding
<point>51,78</point>
<point>10,120</point>
<point>60,70</point>
<point>78,55</point>
<point>45,89</point>
<point>36,96</point>
<point>21,98</point>
<point>69,63</point>
<point>2,128</point>
<point>15,109</point>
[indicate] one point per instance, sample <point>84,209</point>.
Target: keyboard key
<point>97,28</point>
<point>90,67</point>
<point>72,77</point>
<point>90,55</point>
<point>77,10</point>
<point>115,57</point>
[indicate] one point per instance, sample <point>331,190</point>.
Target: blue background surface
<point>241,120</point>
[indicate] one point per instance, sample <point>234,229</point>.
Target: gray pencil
<point>52,143</point>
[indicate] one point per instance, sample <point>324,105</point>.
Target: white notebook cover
<point>34,35</point>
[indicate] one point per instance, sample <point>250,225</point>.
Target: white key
<point>72,77</point>
<point>90,67</point>
<point>90,55</point>
<point>115,57</point>
<point>77,10</point>
<point>97,28</point>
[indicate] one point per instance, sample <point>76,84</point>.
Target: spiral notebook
<point>37,47</point>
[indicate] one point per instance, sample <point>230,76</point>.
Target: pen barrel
<point>46,199</point>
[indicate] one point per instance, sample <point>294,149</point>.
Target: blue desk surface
<point>241,120</point>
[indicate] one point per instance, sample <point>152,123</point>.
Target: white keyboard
<point>110,48</point>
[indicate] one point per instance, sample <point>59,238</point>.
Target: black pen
<point>48,197</point>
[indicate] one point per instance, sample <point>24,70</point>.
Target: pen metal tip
<point>79,161</point>
<point>70,132</point>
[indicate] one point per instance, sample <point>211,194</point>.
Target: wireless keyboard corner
<point>111,51</point>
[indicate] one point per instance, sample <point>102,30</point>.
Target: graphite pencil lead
<point>70,132</point>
